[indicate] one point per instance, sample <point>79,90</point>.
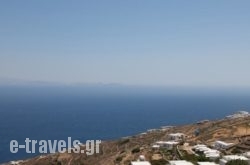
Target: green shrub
<point>202,158</point>
<point>123,141</point>
<point>135,150</point>
<point>119,159</point>
<point>236,151</point>
<point>237,162</point>
<point>159,162</point>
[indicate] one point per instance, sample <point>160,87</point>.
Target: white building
<point>212,156</point>
<point>220,145</point>
<point>247,154</point>
<point>228,158</point>
<point>238,114</point>
<point>201,148</point>
<point>176,136</point>
<point>207,163</point>
<point>156,146</point>
<point>180,162</point>
<point>152,130</point>
<point>142,158</point>
<point>141,163</point>
<point>167,144</point>
<point>16,162</point>
<point>208,152</point>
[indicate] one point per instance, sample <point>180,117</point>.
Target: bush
<point>237,162</point>
<point>119,159</point>
<point>135,150</point>
<point>123,141</point>
<point>192,158</point>
<point>236,151</point>
<point>202,158</point>
<point>159,162</point>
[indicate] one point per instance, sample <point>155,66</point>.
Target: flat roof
<point>206,163</point>
<point>176,134</point>
<point>167,142</point>
<point>234,157</point>
<point>156,146</point>
<point>224,143</point>
<point>199,145</point>
<point>180,162</point>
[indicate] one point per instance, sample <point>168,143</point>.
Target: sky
<point>131,42</point>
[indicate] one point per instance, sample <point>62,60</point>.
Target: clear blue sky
<point>138,42</point>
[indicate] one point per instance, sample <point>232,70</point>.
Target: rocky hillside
<point>122,151</point>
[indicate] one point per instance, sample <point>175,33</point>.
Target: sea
<point>105,112</point>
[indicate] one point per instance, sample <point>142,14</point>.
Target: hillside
<point>124,150</point>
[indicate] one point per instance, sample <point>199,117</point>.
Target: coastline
<point>146,139</point>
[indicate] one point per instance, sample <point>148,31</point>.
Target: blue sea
<point>104,111</point>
